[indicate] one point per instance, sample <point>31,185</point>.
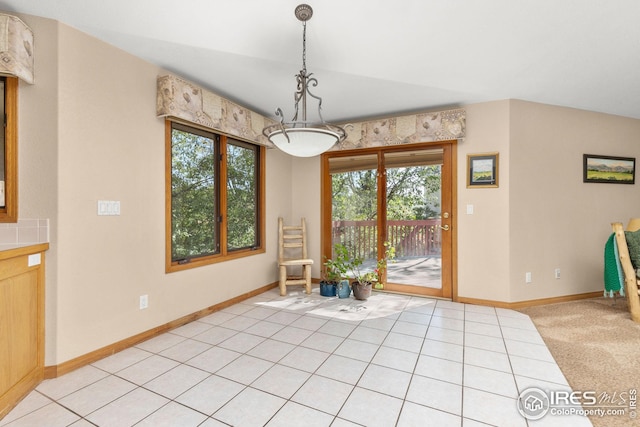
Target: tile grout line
<point>333,316</point>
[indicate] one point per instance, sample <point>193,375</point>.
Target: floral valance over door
<point>421,127</point>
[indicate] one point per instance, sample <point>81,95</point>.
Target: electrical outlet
<point>527,277</point>
<point>557,273</point>
<point>144,301</point>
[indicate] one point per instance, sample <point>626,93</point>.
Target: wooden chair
<point>292,253</point>
<point>631,282</point>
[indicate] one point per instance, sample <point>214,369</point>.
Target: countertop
<point>17,249</point>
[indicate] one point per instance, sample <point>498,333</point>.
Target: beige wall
<point>483,238</point>
<point>542,216</point>
<point>557,221</point>
<point>88,132</point>
<point>38,158</point>
<point>306,203</point>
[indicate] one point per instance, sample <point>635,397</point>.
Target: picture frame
<point>482,170</point>
<point>608,169</point>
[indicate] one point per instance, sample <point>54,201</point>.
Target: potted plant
<point>335,270</point>
<point>381,265</point>
<point>364,281</point>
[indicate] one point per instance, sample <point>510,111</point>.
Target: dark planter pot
<point>361,291</point>
<point>343,289</point>
<point>328,289</point>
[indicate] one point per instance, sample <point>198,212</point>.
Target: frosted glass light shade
<point>304,142</point>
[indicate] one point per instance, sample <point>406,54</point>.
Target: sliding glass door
<point>398,197</point>
<point>414,207</point>
<point>355,206</point>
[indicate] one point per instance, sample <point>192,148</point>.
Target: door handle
<point>444,227</point>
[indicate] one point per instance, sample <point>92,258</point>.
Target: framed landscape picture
<point>482,170</point>
<point>609,169</point>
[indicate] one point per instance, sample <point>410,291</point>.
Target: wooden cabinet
<point>21,323</point>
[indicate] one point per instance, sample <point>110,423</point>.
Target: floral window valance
<point>16,48</point>
<point>188,102</point>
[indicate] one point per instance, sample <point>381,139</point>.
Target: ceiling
<point>378,58</point>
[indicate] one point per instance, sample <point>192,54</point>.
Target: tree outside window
<point>214,186</point>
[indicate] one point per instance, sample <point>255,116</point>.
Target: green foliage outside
<point>412,193</point>
<point>194,196</point>
<point>242,197</point>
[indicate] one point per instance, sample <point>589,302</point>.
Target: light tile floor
<point>308,360</point>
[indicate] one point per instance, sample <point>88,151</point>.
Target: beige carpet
<point>595,344</point>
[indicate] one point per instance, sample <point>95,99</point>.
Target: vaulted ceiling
<point>377,58</point>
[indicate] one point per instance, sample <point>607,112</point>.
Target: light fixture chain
<point>301,137</point>
<point>304,47</point>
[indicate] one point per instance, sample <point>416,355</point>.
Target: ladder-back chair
<point>292,253</point>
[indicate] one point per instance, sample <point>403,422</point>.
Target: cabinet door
<point>21,341</point>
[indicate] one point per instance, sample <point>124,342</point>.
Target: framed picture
<point>609,169</point>
<point>482,170</point>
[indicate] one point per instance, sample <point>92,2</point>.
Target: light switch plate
<point>108,207</point>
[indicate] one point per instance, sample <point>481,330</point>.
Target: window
<point>242,195</point>
<point>8,150</point>
<point>215,208</point>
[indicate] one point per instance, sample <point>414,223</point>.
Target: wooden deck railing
<point>411,238</point>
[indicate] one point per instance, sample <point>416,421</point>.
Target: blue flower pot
<point>328,289</point>
<point>343,289</point>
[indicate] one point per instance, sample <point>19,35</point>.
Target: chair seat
<point>290,261</point>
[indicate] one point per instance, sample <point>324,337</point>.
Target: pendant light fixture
<point>300,137</point>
